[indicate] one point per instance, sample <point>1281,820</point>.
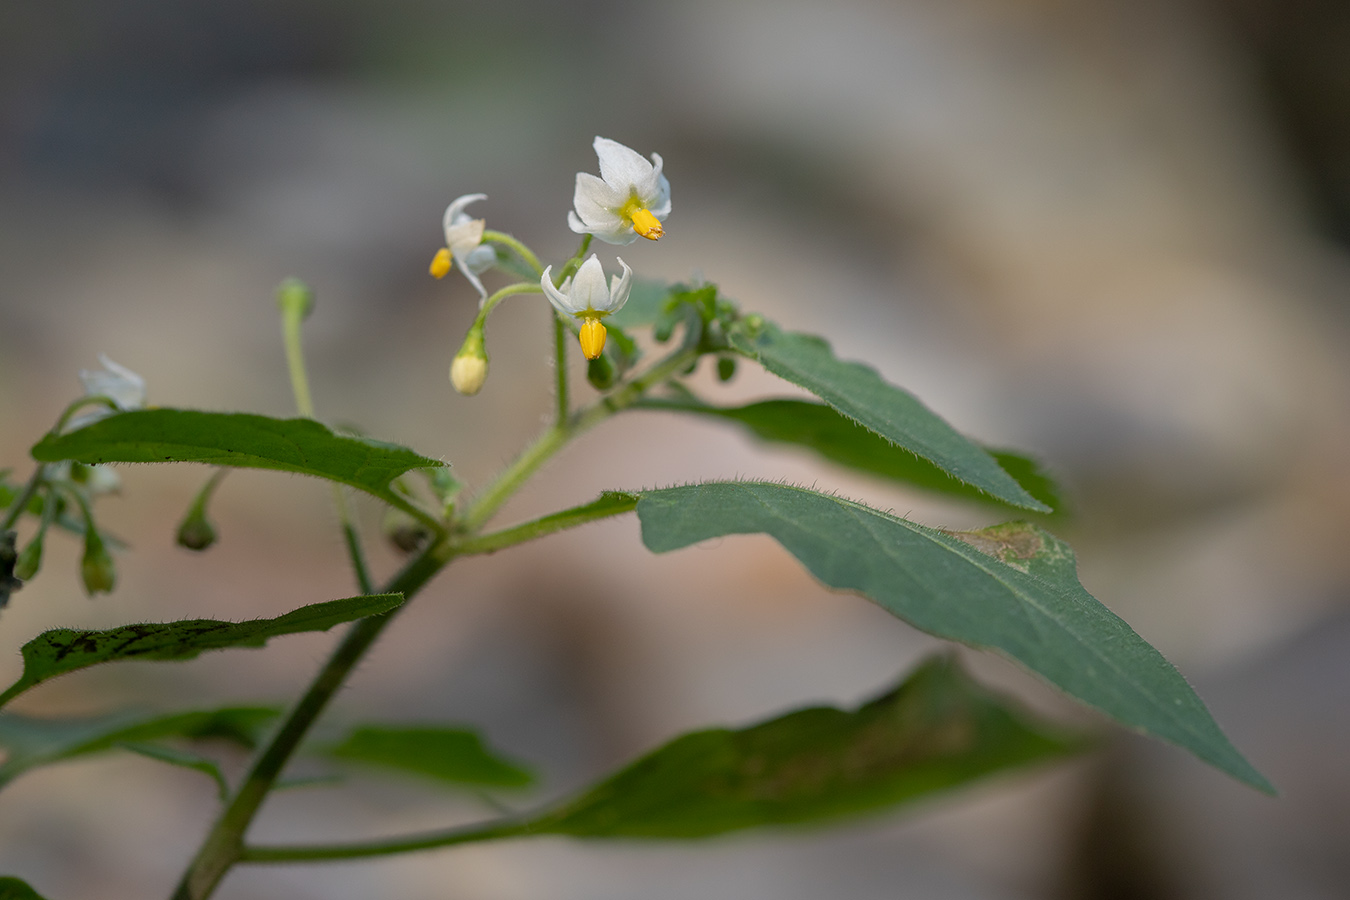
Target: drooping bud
<point>726,368</point>
<point>196,531</point>
<point>30,559</point>
<point>96,568</point>
<point>592,338</point>
<point>441,263</point>
<point>600,373</point>
<point>469,370</point>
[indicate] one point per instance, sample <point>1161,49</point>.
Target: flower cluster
<point>629,199</point>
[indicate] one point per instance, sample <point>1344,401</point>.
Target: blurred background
<point>1111,233</point>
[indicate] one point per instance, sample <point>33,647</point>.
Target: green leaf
<point>16,889</point>
<point>840,440</point>
<point>63,650</point>
<point>446,754</point>
<point>184,759</point>
<point>1012,587</point>
<point>646,304</point>
<point>935,731</point>
<point>859,393</point>
<point>239,440</point>
<point>29,741</point>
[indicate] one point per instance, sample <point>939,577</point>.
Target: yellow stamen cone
<point>440,263</point>
<point>647,225</point>
<point>592,338</point>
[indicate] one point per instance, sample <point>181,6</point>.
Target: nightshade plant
<point>1010,587</point>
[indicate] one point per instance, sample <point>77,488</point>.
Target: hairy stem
<point>25,497</point>
<point>426,840</point>
<point>223,845</point>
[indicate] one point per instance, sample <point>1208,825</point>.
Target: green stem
<point>510,479</point>
<point>507,240</point>
<point>75,406</point>
<point>223,846</point>
<point>25,497</point>
<point>520,287</point>
<point>613,503</point>
<point>570,267</point>
<point>560,367</point>
<point>292,316</point>
<point>468,834</point>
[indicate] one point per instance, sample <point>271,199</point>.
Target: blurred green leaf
<point>859,393</point>
<point>646,304</point>
<point>1011,587</point>
<point>63,650</point>
<point>446,754</point>
<point>16,889</point>
<point>185,759</point>
<point>29,741</point>
<point>238,440</point>
<point>935,731</point>
<point>843,441</point>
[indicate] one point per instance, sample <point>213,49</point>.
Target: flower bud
<point>600,373</point>
<point>726,368</point>
<point>196,531</point>
<point>30,560</point>
<point>294,296</point>
<point>96,568</point>
<point>469,370</point>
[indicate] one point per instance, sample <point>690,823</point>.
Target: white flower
<point>464,243</point>
<point>587,297</point>
<point>630,198</point>
<point>119,384</point>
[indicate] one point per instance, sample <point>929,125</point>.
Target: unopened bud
<point>600,373</point>
<point>726,368</point>
<point>294,296</point>
<point>30,560</point>
<point>96,568</point>
<point>196,532</point>
<point>469,370</point>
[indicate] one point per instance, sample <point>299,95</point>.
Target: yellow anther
<point>646,224</point>
<point>592,338</point>
<point>441,262</point>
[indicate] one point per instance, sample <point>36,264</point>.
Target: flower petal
<point>464,235</point>
<point>588,287</point>
<point>118,383</point>
<point>658,201</point>
<point>617,232</point>
<point>619,286</point>
<point>479,259</point>
<point>561,301</point>
<point>623,168</point>
<point>455,211</point>
<point>596,201</point>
